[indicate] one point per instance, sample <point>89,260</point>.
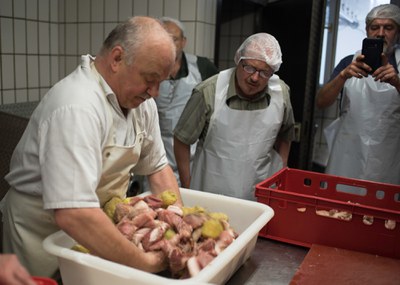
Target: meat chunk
<point>190,237</point>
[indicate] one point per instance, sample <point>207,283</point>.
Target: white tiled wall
<point>41,40</point>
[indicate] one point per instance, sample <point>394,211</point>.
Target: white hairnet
<point>261,46</point>
<point>385,11</point>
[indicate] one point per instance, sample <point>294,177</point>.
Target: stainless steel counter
<point>271,263</point>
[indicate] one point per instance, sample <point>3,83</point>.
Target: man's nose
<point>153,91</point>
<point>255,76</point>
<point>381,32</point>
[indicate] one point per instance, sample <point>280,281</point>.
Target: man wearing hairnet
<point>365,139</point>
<point>243,120</point>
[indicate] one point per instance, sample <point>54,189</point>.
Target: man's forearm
<point>165,180</point>
<point>91,228</point>
<point>182,157</point>
<point>283,148</point>
<point>328,94</point>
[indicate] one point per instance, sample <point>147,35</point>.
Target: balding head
<point>136,35</point>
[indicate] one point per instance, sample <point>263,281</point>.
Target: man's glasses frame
<point>261,72</point>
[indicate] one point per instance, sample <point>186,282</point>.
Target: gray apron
<point>173,97</point>
<point>366,143</point>
<point>27,224</point>
<point>238,150</point>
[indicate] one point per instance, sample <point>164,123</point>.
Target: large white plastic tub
<point>246,217</point>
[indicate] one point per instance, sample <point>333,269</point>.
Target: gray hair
<point>133,34</point>
<point>385,11</point>
<point>175,21</point>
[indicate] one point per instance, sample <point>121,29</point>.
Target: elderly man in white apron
<point>365,139</point>
<point>188,71</point>
<point>87,134</point>
<point>238,147</point>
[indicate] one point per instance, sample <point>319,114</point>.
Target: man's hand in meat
<point>91,228</point>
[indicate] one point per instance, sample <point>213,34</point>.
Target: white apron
<point>28,224</point>
<point>173,97</point>
<point>367,141</point>
<point>238,150</point>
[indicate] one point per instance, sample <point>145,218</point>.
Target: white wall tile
<point>71,44</point>
<point>7,38</point>
<point>156,8</point>
<point>31,10</point>
<point>19,8</point>
<point>108,28</point>
<point>188,10</point>
<point>84,11</point>
<point>7,65</point>
<point>125,9</point>
<point>33,95</point>
<point>21,96</point>
<point>70,64</point>
<point>61,38</point>
<point>44,75</point>
<point>210,41</point>
<point>97,18</point>
<point>61,66</point>
<point>190,32</point>
<point>54,39</point>
<point>54,70</point>
<point>61,10</point>
<point>71,9</point>
<point>200,33</point>
<point>97,37</point>
<point>140,7</point>
<point>171,8</point>
<point>42,92</point>
<point>9,97</point>
<point>43,9</point>
<point>97,10</point>
<point>44,38</point>
<point>54,11</point>
<point>111,10</point>
<point>32,36</point>
<point>201,11</point>
<point>211,14</point>
<point>20,71</point>
<point>33,71</point>
<point>6,8</point>
<point>83,38</point>
<point>20,36</point>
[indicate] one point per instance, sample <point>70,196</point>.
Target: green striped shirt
<point>194,121</point>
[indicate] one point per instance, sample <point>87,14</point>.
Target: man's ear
<point>184,41</point>
<point>116,57</point>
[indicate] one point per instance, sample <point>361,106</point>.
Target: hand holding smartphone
<point>372,49</point>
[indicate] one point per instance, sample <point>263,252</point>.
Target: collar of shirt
<point>110,95</point>
<point>183,70</point>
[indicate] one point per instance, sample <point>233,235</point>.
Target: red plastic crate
<point>299,198</point>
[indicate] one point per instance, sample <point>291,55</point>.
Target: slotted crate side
<point>298,201</point>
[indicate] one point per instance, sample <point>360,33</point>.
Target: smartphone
<point>372,49</point>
